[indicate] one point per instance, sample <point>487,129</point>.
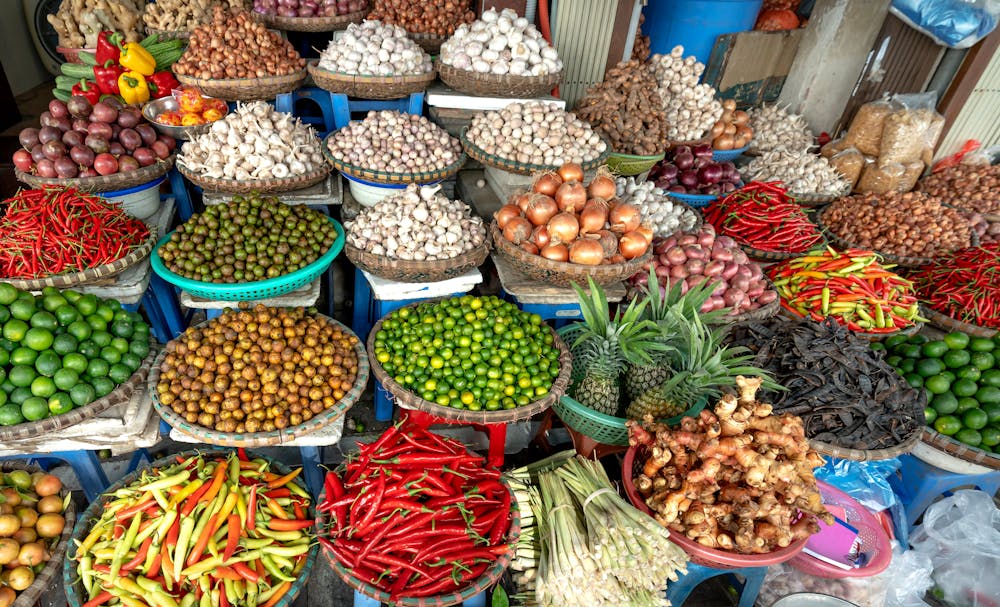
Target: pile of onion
<point>732,131</point>
<point>690,170</point>
<point>562,219</point>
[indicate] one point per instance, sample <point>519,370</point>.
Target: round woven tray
<point>762,313</point>
<point>246,89</point>
<point>901,261</point>
<point>910,330</point>
<point>562,273</point>
<point>630,164</point>
<point>76,594</point>
<point>860,455</point>
<point>262,439</point>
<point>90,275</point>
<point>408,400</point>
<point>761,255</point>
<point>311,24</point>
<point>263,186</point>
<point>102,183</point>
<point>947,323</point>
<point>46,578</point>
<point>520,168</point>
<point>497,85</point>
<point>417,271</point>
<point>370,87</point>
<point>122,393</point>
<point>380,177</point>
<point>952,447</point>
<point>168,35</point>
<point>991,217</point>
<point>431,43</point>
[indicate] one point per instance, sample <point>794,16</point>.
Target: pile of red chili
<point>57,230</point>
<point>964,285</point>
<point>415,514</point>
<point>765,217</point>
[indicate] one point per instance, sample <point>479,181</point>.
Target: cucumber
<point>77,71</point>
<point>61,95</point>
<point>165,60</point>
<point>66,83</point>
<point>149,41</point>
<point>88,58</point>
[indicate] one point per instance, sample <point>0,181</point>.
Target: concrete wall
<point>17,53</point>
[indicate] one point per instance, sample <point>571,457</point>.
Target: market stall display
<point>986,231</point>
<point>79,22</point>
<point>463,514</point>
<point>662,214</point>
<point>185,114</point>
<point>731,134</point>
<point>227,516</point>
<point>689,174</point>
<point>691,108</point>
<point>961,290</point>
<point>307,8</point>
<point>428,24</point>
<point>975,188</point>
<point>776,129</point>
<point>808,176</point>
<point>176,18</point>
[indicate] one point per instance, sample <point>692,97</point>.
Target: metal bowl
<point>168,104</point>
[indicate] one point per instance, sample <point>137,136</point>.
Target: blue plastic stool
<point>85,465</point>
<point>291,103</point>
<point>560,313</point>
<point>920,484</point>
<point>361,600</point>
<point>162,297</point>
<point>748,589</point>
<point>343,106</point>
<point>179,189</point>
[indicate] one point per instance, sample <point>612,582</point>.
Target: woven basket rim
<point>952,447</point>
<point>270,438</point>
<point>914,328</point>
<point>496,85</point>
<point>520,168</point>
<point>991,217</point>
<point>369,86</point>
<point>866,455</point>
<point>902,261</point>
<point>762,255</point>
<point>246,89</point>
<point>378,265</point>
<point>248,82</point>
<point>943,321</point>
<point>311,24</point>
<point>383,178</point>
<point>624,156</point>
<point>313,66</point>
<point>768,310</point>
<point>103,183</point>
<point>264,186</point>
<point>818,198</point>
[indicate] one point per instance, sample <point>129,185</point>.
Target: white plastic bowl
<point>140,202</point>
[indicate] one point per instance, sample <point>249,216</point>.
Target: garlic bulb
<point>664,215</point>
<point>499,40</point>
<point>394,142</point>
<point>800,171</point>
<point>535,133</point>
<point>775,128</point>
<point>373,48</point>
<point>691,108</point>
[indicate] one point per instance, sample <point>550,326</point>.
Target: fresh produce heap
<point>235,45</point>
<point>964,285</point>
<point>535,133</point>
<point>844,392</point>
<point>626,109</point>
<point>258,370</point>
<point>850,286</point>
<point>500,43</point>
<point>393,142</point>
<point>663,215</point>
<point>62,350</point>
<point>691,170</point>
<point>373,48</point>
<point>736,478</point>
<point>582,544</point>
<point>415,514</point>
<point>308,8</point>
<point>987,231</point>
<point>691,108</point>
<point>764,217</point>
<point>784,579</point>
<point>135,72</point>
<point>418,224</point>
<point>254,142</point>
<point>641,47</point>
<point>193,109</point>
<point>976,188</point>
<point>776,129</point>
<point>703,257</point>
<point>732,130</point>
<point>60,230</point>
<point>247,239</point>
<point>31,521</point>
<point>961,377</point>
<point>83,139</point>
<point>910,224</point>
<point>469,352</point>
<point>184,15</point>
<point>434,18</point>
<point>800,172</point>
<point>561,219</point>
<point>211,525</point>
<point>78,22</point>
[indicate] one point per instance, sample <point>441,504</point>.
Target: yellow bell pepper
<point>133,88</point>
<point>136,58</point>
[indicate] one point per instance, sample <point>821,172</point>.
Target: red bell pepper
<point>107,48</point>
<point>107,75</point>
<point>88,90</point>
<point>161,83</point>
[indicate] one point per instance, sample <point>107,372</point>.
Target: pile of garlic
<point>254,142</point>
<point>535,133</point>
<point>500,43</point>
<point>417,224</point>
<point>691,108</point>
<point>775,128</point>
<point>374,48</point>
<point>801,172</point>
<point>664,215</point>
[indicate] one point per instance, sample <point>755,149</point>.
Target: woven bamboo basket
<point>261,439</point>
<point>76,594</point>
<point>913,329</point>
<point>497,85</point>
<point>901,261</point>
<point>764,312</point>
<point>943,442</point>
<point>561,273</point>
<point>520,168</point>
<point>417,271</point>
<point>862,455</point>
<point>263,186</point>
<point>431,43</point>
<point>370,87</point>
<point>46,578</point>
<point>99,274</point>
<point>246,89</point>
<point>774,256</point>
<point>384,178</point>
<point>991,217</point>
<point>947,323</point>
<point>102,183</point>
<point>311,24</point>
<point>818,199</point>
<point>122,393</point>
<point>408,400</point>
<point>169,35</point>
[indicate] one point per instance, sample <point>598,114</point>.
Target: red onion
<point>683,161</point>
<point>711,173</point>
<point>688,178</point>
<point>702,151</point>
<point>668,172</point>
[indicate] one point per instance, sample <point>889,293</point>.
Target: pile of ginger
<point>737,478</point>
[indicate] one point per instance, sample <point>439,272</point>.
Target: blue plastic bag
<point>951,23</point>
<point>868,483</point>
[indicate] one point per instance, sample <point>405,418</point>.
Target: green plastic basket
<point>603,428</point>
<point>629,164</point>
<point>250,291</point>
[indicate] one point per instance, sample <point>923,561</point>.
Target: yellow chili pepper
<point>136,58</point>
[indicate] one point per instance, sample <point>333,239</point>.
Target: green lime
<point>894,341</point>
<point>975,419</point>
<point>120,344</point>
<point>139,348</point>
<point>876,346</point>
<point>89,349</point>
<point>969,436</point>
<point>909,365</point>
<point>119,373</point>
<point>14,329</point>
<point>988,394</point>
<point>103,386</point>
<point>46,291</point>
<point>64,344</point>
<point>4,314</point>
<point>132,361</point>
<point>955,359</point>
<point>929,415</point>
<point>944,404</point>
<point>937,384</point>
<point>43,386</point>
<point>101,338</point>
<point>107,311</point>
<point>4,357</point>
<point>67,315</point>
<point>927,367</point>
<point>19,395</point>
<point>10,414</point>
<point>969,372</point>
<point>982,360</point>
<point>992,412</point>
<point>915,380</point>
<point>7,387</point>
<point>894,360</point>
<point>97,367</point>
<point>87,304</point>
<point>964,387</point>
<point>21,375</point>
<point>122,328</point>
<point>80,330</point>
<point>918,339</point>
<point>65,378</point>
<point>910,351</point>
<point>72,296</point>
<point>48,363</point>
<point>991,436</point>
<point>934,349</point>
<point>990,377</point>
<point>7,344</point>
<point>35,408</point>
<point>949,375</point>
<point>966,404</point>
<point>76,362</point>
<point>96,323</point>
<point>60,403</point>
<point>38,339</point>
<point>23,356</point>
<point>44,320</point>
<point>22,309</point>
<point>53,302</point>
<point>8,293</point>
<point>956,340</point>
<point>947,424</point>
<point>111,355</point>
<point>82,394</point>
<point>981,344</point>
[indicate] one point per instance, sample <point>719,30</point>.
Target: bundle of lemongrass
<point>582,544</point>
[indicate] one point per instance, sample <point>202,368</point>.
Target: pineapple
<point>606,345</point>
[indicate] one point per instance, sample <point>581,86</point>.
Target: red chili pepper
<point>140,556</point>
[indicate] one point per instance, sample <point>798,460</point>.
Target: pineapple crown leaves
<point>688,304</point>
<point>628,335</point>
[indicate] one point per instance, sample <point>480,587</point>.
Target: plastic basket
<point>695,200</point>
<point>630,164</point>
<point>728,155</point>
<point>249,291</point>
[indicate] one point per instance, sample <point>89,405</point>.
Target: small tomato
<point>216,104</point>
<point>192,119</point>
<point>190,100</point>
<point>211,115</point>
<point>169,118</point>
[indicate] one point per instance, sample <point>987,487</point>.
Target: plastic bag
<point>951,23</point>
<point>880,180</point>
<point>961,534</point>
<point>849,164</point>
<point>971,145</point>
<point>833,147</point>
<point>784,579</point>
<point>911,174</point>
<point>904,137</point>
<point>909,578</point>
<point>865,132</point>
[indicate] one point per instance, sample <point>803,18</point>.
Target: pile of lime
<point>961,376</point>
<point>63,349</point>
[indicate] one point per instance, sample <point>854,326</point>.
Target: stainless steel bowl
<point>168,104</point>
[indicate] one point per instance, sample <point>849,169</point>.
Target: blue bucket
<point>695,24</point>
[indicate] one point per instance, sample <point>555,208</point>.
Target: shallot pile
<point>775,128</point>
<point>967,186</point>
<point>691,108</point>
<point>254,142</point>
<point>732,130</point>
<point>394,142</point>
<point>691,170</point>
<point>535,133</point>
<point>417,224</point>
<point>800,171</point>
<point>376,49</point>
<point>439,18</point>
<point>500,43</point>
<point>663,215</point>
<point>308,8</point>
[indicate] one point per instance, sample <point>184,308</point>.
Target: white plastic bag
<point>909,579</point>
<point>951,23</point>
